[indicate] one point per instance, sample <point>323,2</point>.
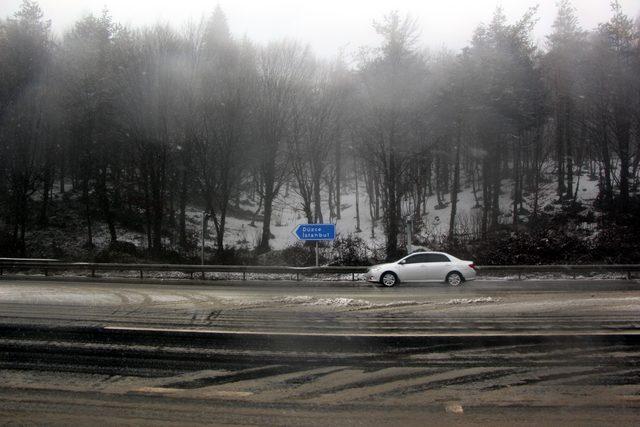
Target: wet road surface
<point>498,353</point>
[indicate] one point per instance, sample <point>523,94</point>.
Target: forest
<point>132,127</point>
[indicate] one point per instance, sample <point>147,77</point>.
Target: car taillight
<point>472,265</point>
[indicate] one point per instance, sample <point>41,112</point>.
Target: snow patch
<point>480,300</point>
<point>337,302</point>
<point>535,276</point>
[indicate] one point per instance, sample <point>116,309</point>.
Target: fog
<point>328,25</point>
<point>137,140</point>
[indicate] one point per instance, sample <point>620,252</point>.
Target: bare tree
<point>389,97</point>
<point>282,67</point>
<point>226,81</point>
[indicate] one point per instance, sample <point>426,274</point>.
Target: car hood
<point>382,266</point>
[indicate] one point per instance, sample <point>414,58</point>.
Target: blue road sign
<point>315,231</point>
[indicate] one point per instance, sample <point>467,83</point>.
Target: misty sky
<point>326,25</point>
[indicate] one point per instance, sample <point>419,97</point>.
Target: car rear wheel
<point>389,279</point>
<point>454,278</point>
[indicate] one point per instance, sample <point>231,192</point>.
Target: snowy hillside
<point>66,237</point>
<point>288,214</point>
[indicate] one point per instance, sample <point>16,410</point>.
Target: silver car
<point>423,267</point>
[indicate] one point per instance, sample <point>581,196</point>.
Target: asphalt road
<point>477,307</point>
<point>499,353</point>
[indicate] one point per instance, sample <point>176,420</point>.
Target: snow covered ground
<point>287,214</point>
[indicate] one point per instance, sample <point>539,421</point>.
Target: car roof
<point>430,252</point>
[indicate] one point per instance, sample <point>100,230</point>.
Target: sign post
<point>315,232</point>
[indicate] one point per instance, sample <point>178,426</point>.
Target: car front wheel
<point>454,279</point>
<point>389,279</point>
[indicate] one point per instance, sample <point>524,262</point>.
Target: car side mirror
<point>403,262</point>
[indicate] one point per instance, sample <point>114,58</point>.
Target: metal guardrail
<point>572,270</point>
<point>47,266</point>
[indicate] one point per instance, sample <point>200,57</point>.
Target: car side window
<point>416,259</point>
<point>436,258</point>
<point>412,259</point>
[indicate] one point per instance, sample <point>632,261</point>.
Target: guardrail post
<point>141,275</point>
<point>191,274</point>
<point>628,275</point>
<point>353,277</point>
<point>93,272</point>
<point>244,275</point>
<point>298,277</point>
<point>202,276</point>
<point>46,272</point>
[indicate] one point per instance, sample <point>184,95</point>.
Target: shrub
<point>300,255</point>
<point>350,250</point>
<point>235,256</point>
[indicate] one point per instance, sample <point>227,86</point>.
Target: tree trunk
<point>569,153</point>
<point>392,209</point>
<point>266,224</point>
<point>495,192</point>
<point>560,155</point>
<point>623,132</point>
<point>62,189</point>
<point>220,223</point>
<point>376,188</point>
<point>256,212</point>
<point>355,169</point>
<point>474,185</point>
<point>147,211</point>
<point>46,190</point>
<point>606,160</point>
<point>454,191</point>
<point>182,218</point>
<point>85,198</point>
<point>101,189</point>
<point>317,201</point>
<point>331,199</point>
<point>486,205</point>
<point>517,184</point>
<point>537,166</point>
<point>338,167</point>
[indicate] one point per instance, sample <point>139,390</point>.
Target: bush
<point>109,256</point>
<point>617,244</point>
<point>123,247</point>
<point>301,255</point>
<point>525,247</point>
<point>8,246</point>
<point>296,255</point>
<point>350,250</point>
<point>235,256</point>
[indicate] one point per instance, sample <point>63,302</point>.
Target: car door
<point>437,267</point>
<point>411,268</point>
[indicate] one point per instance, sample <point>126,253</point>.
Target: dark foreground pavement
<point>122,376</point>
<point>115,354</point>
